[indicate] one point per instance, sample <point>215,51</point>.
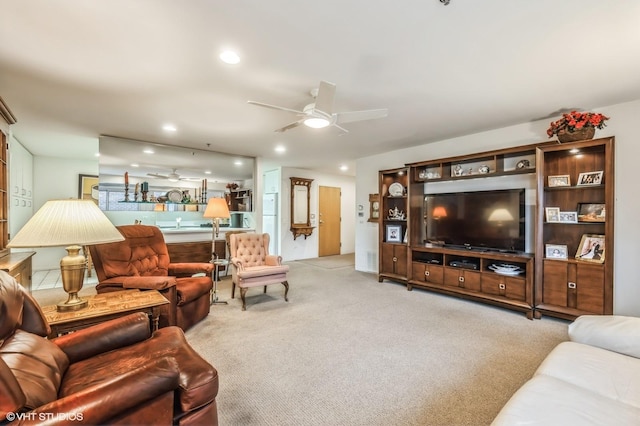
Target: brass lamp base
<point>73,303</point>
<point>72,269</point>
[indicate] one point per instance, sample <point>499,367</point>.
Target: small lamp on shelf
<point>73,223</point>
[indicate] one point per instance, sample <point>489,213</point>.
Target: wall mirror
<point>167,169</point>
<point>300,207</point>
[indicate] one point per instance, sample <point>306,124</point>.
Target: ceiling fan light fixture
<point>230,57</point>
<point>316,123</point>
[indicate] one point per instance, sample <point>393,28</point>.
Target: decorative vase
<point>577,135</point>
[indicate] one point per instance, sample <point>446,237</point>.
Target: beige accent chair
<point>254,266</point>
<point>227,237</point>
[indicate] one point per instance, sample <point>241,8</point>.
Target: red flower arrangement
<point>576,121</point>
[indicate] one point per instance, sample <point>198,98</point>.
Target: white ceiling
<point>71,70</point>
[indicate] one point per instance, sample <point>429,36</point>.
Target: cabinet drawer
<point>426,272</point>
<point>462,278</point>
<point>500,285</point>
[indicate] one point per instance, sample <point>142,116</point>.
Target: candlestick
<point>126,178</point>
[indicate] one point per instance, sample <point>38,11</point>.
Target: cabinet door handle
<point>461,279</point>
<point>395,259</point>
<point>571,284</point>
<point>502,286</point>
<point>426,273</point>
<point>24,191</point>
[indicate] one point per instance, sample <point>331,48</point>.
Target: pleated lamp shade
<point>65,222</point>
<point>217,208</point>
<point>72,223</point>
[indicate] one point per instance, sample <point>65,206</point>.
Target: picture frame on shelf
<point>552,214</point>
<point>559,180</point>
<point>590,178</point>
<point>568,217</point>
<point>591,212</point>
<point>394,233</point>
<point>591,248</point>
<point>556,251</point>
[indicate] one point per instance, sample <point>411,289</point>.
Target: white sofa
<point>593,379</point>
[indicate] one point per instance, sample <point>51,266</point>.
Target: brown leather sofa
<point>115,372</point>
<point>142,261</point>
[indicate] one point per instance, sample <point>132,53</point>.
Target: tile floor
<point>46,279</point>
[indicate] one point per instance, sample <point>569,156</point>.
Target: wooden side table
<point>18,265</point>
<point>103,307</point>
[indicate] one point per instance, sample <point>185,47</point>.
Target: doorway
<point>329,221</point>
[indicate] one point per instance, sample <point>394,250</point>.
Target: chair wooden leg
<point>265,289</point>
<point>233,290</point>
<point>286,290</point>
<point>243,291</point>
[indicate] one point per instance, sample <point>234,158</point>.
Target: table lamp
<point>216,209</point>
<point>73,223</point>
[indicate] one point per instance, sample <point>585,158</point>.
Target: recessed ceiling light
<point>169,128</point>
<point>148,151</point>
<point>207,172</point>
<point>344,168</point>
<point>280,149</point>
<point>134,165</point>
<point>238,163</point>
<point>97,154</point>
<point>229,57</point>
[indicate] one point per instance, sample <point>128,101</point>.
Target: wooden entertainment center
<point>543,282</point>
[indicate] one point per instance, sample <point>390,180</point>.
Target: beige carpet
<point>347,350</point>
<point>331,262</point>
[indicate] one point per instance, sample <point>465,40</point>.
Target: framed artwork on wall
<point>88,187</point>
<point>374,207</point>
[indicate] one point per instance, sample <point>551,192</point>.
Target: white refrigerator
<point>270,220</point>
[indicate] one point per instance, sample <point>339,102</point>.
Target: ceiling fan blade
<point>155,175</point>
<point>275,107</point>
<point>351,116</point>
<point>341,128</point>
<point>326,94</point>
<point>289,126</point>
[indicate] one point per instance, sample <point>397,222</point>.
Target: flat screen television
<point>486,220</point>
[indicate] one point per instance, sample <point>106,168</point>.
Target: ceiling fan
<point>320,113</point>
<point>171,177</point>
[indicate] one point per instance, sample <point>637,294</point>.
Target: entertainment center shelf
<point>504,162</point>
<point>414,209</point>
<point>468,274</point>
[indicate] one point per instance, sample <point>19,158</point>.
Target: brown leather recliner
<point>142,261</point>
<point>115,372</point>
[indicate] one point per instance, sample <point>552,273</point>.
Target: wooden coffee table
<point>103,307</point>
